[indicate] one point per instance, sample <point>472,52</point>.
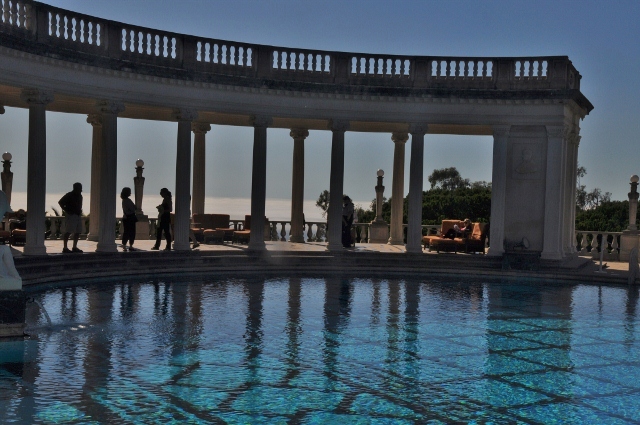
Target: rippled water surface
<point>325,351</point>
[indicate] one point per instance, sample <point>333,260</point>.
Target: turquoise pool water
<point>326,351</point>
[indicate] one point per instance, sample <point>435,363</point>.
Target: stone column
<point>182,199</point>
<point>498,189</point>
<point>336,182</point>
<point>108,191</point>
<point>297,185</point>
<point>552,233</point>
<point>397,189</point>
<point>259,182</point>
<point>96,161</point>
<point>416,176</point>
<point>569,224</point>
<point>36,169</point>
<point>200,130</point>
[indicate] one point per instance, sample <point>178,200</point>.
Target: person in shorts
<point>71,204</point>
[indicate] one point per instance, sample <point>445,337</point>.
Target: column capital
<point>105,106</point>
<point>574,137</point>
<point>399,137</point>
<point>338,125</point>
<point>261,120</point>
<point>36,96</point>
<point>557,131</point>
<point>418,128</point>
<point>184,114</point>
<point>501,130</point>
<point>200,127</point>
<point>299,133</point>
<point>94,119</point>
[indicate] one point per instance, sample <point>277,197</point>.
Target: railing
<point>51,31</point>
<point>590,243</point>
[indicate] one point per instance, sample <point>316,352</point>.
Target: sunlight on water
<point>325,351</point>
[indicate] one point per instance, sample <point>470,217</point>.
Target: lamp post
<point>7,175</point>
<point>379,230</point>
<point>138,183</point>
<point>630,237</point>
<point>142,226</point>
<point>633,203</point>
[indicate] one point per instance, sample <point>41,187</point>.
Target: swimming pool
<point>326,351</point>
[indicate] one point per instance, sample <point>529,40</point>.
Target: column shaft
<point>498,190</point>
<point>108,175</point>
<point>416,175</point>
<point>36,171</point>
<point>96,161</point>
<point>183,185</point>
<point>552,233</point>
<point>396,236</point>
<point>199,150</point>
<point>336,182</point>
<point>259,183</point>
<point>297,186</point>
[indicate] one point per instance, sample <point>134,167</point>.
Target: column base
<point>298,239</point>
<point>628,241</point>
<point>414,249</point>
<point>334,247</point>
<point>142,228</point>
<point>551,256</point>
<point>396,241</point>
<point>92,238</point>
<point>378,232</point>
<point>106,247</point>
<point>257,246</point>
<point>34,250</point>
<point>177,246</point>
<point>495,252</point>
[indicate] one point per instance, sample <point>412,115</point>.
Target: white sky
<point>601,38</point>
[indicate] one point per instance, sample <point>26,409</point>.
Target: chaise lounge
<point>475,242</point>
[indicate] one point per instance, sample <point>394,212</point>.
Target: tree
<point>447,179</point>
<point>323,202</point>
<point>588,200</point>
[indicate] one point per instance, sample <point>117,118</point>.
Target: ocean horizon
<point>237,208</point>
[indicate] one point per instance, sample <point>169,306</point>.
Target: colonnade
<point>104,164</point>
<point>557,166</point>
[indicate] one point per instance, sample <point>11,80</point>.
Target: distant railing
<point>589,243</point>
<point>63,34</point>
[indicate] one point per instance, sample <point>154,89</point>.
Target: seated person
<point>457,232</point>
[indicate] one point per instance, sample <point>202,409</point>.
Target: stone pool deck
<point>297,258</point>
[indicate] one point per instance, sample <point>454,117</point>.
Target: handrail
<point>51,31</point>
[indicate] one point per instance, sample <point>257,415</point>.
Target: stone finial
<point>338,125</point>
<point>261,120</point>
<point>94,119</point>
<point>200,127</point>
<point>418,128</point>
<point>399,137</point>
<point>105,106</point>
<point>299,133</point>
<point>36,96</point>
<point>184,114</point>
<point>501,130</point>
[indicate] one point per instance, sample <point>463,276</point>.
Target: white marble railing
<point>589,243</point>
<point>51,31</point>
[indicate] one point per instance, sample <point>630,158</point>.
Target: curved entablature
<point>44,30</point>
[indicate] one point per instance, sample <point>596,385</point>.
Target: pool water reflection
<point>326,351</point>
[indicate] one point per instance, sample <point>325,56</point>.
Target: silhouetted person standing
<point>71,204</point>
<point>164,219</point>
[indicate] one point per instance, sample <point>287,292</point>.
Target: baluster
<point>295,59</point>
<point>309,233</point>
<point>85,31</point>
<point>447,71</point>
<point>244,57</point>
<point>438,68</point>
<point>362,64</point>
<point>323,63</point>
<point>521,69</point>
<point>225,54</point>
<point>153,45</point>
<point>22,15</point>
<point>99,34</point>
<point>14,13</point>
<point>283,231</point>
<point>74,27</point>
<point>314,63</point>
<point>615,248</point>
<point>305,60</point>
<point>530,69</point>
<point>402,67</point>
<point>287,60</point>
<point>5,12</point>
<point>219,53</point>
<point>471,69</point>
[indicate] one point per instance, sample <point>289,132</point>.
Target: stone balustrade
<point>58,33</point>
<point>590,243</point>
